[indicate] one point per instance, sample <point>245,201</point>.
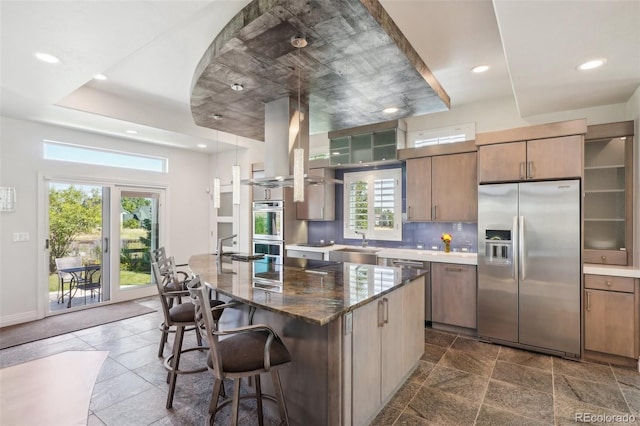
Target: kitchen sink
<point>362,255</point>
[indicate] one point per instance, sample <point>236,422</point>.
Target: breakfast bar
<point>355,332</point>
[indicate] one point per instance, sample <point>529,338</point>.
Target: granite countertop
<point>402,253</point>
<point>318,297</point>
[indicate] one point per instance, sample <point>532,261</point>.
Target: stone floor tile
<point>633,400</point>
<point>569,412</point>
<point>528,377</point>
<point>438,338</point>
<point>432,353</point>
<point>486,350</point>
<point>520,400</point>
<point>116,389</point>
<point>442,408</point>
<point>584,370</point>
<point>491,416</point>
<point>628,378</point>
<point>404,395</point>
<point>144,408</point>
<point>408,418</point>
<point>595,393</point>
<point>421,372</point>
<point>387,416</point>
<point>526,358</point>
<point>467,361</point>
<point>456,382</point>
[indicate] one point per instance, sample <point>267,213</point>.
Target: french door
<point>98,239</point>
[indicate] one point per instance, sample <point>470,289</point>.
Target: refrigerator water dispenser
<point>498,247</point>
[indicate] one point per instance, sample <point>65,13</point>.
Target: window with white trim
<point>62,151</point>
<point>443,135</point>
<point>373,204</point>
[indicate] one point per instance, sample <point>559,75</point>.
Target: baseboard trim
<point>8,320</point>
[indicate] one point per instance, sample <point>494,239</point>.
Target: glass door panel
<point>139,233</point>
<point>77,243</point>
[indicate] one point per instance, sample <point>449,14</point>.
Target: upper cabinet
<point>373,143</point>
<point>608,204</point>
<point>549,158</point>
<point>319,200</point>
<point>549,151</point>
<point>442,186</point>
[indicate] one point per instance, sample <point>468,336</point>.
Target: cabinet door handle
<point>588,301</point>
<point>522,176</point>
<point>608,283</point>
<point>385,301</point>
<point>604,259</point>
<point>435,212</point>
<point>408,212</point>
<point>322,212</point>
<point>380,314</point>
<point>449,269</point>
<point>529,169</point>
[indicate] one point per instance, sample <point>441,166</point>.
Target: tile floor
<point>459,382</point>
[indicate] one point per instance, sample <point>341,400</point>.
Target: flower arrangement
<point>446,239</point>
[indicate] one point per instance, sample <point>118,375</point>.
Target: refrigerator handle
<point>514,249</point>
<point>521,243</point>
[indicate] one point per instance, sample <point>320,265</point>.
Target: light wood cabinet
<point>611,316</point>
<point>454,294</point>
<point>454,188</point>
<point>419,189</point>
<point>608,196</point>
<point>319,200</point>
<point>548,158</point>
<point>387,342</point>
<point>443,188</point>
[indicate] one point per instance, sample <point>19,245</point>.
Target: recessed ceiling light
<point>589,65</point>
<point>132,132</point>
<point>480,68</point>
<point>216,117</point>
<point>237,87</point>
<point>99,77</point>
<point>390,110</point>
<point>46,57</point>
<point>201,145</point>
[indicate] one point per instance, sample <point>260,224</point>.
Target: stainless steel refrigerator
<point>529,265</point>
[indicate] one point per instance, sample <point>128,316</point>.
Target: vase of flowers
<point>446,239</point>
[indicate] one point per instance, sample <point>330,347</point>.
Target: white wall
<point>21,164</point>
<point>633,113</point>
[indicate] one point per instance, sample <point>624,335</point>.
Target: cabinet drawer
<point>607,257</point>
<point>608,282</point>
<point>305,254</point>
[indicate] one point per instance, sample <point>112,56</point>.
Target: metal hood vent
<point>281,136</point>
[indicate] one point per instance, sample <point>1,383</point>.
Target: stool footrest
<point>167,361</point>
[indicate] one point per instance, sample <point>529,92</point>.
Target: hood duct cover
<point>281,137</point>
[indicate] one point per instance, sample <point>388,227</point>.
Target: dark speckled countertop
<point>330,290</point>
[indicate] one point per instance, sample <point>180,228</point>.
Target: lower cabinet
<point>611,315</point>
<point>454,294</point>
<point>387,342</point>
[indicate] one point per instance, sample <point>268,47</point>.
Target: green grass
<point>126,277</point>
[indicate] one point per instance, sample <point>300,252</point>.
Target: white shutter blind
<point>358,205</point>
<point>384,203</point>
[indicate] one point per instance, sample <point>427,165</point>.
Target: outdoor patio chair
<point>65,277</point>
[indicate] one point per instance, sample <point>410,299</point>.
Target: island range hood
<point>280,139</point>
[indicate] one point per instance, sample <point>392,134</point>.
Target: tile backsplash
<point>414,235</point>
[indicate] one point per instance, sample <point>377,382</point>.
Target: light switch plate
<point>20,236</point>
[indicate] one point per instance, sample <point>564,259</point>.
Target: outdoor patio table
<point>80,275</point>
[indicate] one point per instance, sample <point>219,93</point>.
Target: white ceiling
<point>150,49</point>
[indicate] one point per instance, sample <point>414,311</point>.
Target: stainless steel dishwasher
<point>415,264</point>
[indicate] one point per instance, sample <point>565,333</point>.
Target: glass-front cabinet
<point>608,179</point>
<point>365,144</point>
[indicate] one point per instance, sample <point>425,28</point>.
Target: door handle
<point>523,266</point>
<point>449,269</point>
<point>106,244</point>
<point>385,302</point>
<point>380,314</point>
<point>529,169</point>
<point>408,212</point>
<point>435,212</point>
<point>588,301</point>
<point>522,175</point>
<point>515,253</point>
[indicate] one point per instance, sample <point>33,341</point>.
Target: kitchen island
<point>355,332</point>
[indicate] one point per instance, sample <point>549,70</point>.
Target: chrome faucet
<point>220,240</point>
<point>364,238</point>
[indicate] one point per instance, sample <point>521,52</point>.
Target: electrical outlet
<point>20,236</point>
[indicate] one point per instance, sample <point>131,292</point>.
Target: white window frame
<point>370,177</point>
<point>442,135</point>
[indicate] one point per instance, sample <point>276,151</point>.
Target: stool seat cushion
<point>184,312</point>
<point>245,352</point>
<point>174,286</point>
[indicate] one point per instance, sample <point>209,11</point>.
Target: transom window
<point>373,204</point>
<point>61,151</point>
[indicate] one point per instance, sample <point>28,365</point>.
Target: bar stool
<point>244,352</point>
<point>182,318</point>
